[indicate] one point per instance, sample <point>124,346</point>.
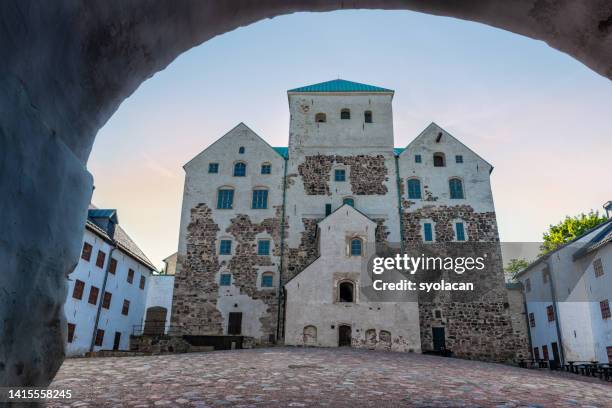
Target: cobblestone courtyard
<point>318,377</point>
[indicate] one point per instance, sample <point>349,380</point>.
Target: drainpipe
<point>555,309</point>
<point>526,314</point>
<point>282,253</point>
<point>102,292</point>
<point>398,183</point>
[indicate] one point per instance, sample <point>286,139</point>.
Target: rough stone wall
<point>367,174</point>
<point>296,259</point>
<point>195,288</point>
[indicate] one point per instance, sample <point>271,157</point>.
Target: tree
<point>568,229</point>
<point>514,266</point>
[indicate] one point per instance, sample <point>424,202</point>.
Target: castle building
<point>271,238</point>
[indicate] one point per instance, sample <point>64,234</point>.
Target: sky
<point>540,117</point>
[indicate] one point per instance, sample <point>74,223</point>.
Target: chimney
<point>608,207</point>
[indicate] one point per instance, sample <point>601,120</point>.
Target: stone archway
<point>65,68</point>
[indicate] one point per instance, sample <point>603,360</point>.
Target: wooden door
<point>344,335</point>
<point>234,325</point>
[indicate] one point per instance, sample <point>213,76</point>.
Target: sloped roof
<point>602,238</point>
<point>341,85</point>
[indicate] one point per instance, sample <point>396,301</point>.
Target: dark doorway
<point>439,339</point>
<point>117,341</point>
<point>346,292</point>
<point>155,320</point>
<point>234,325</point>
<point>344,335</point>
<point>555,351</point>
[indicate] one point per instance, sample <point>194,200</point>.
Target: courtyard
<point>298,377</point>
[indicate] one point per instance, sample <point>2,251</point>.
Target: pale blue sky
<point>540,117</point>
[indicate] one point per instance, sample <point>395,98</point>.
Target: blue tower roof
<point>340,85</point>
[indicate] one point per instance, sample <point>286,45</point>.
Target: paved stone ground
<point>294,377</point>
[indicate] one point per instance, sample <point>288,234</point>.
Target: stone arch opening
<point>310,335</point>
<point>117,47</point>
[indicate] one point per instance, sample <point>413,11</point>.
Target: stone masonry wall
<point>367,173</point>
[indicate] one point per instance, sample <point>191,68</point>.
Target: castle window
<point>260,199</point>
<point>439,160</point>
<point>598,267</point>
<point>427,232</point>
<point>414,189</point>
<point>225,247</point>
<point>266,168</point>
<point>93,295</point>
<point>130,276</point>
<point>417,158</point>
<point>213,168</point>
<point>532,320</point>
<point>456,188</point>
<point>328,209</point>
<point>345,114</point>
<point>367,116</point>
<point>346,292</point>
<point>356,247</point>
<point>340,175</point>
<point>239,169</point>
<point>225,199</point>
<point>550,313</point>
<point>263,247</point>
<point>125,310</point>
<point>86,253</point>
<point>604,306</point>
<point>241,150</point>
<point>225,280</point>
<point>99,337</point>
<point>349,201</point>
<point>536,353</point>
<point>320,118</point>
<point>458,158</point>
<point>71,328</point>
<point>267,280</point>
<point>460,231</point>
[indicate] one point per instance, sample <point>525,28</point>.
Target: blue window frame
<point>266,168</point>
<point>267,280</point>
<point>225,280</point>
<point>213,167</point>
<point>241,150</point>
<point>456,188</point>
<point>260,199</point>
<point>263,247</point>
<point>414,189</point>
<point>356,247</point>
<point>417,158</point>
<point>328,209</point>
<point>460,231</point>
<point>458,158</point>
<point>340,175</point>
<point>427,232</point>
<point>225,198</point>
<point>239,169</point>
<point>349,201</point>
<point>225,248</point>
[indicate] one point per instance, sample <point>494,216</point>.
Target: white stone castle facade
<point>271,238</point>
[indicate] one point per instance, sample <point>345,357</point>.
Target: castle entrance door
<point>344,335</point>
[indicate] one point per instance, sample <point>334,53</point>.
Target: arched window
<point>320,118</point>
<point>367,116</point>
<point>356,247</point>
<point>267,280</point>
<point>241,150</point>
<point>239,169</point>
<point>310,335</point>
<point>439,160</point>
<point>345,113</point>
<point>414,189</point>
<point>349,201</point>
<point>456,188</point>
<point>346,292</point>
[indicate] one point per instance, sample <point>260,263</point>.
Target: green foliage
<point>514,266</point>
<point>568,229</point>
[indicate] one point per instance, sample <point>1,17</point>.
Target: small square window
<point>241,150</point>
<point>266,169</point>
<point>225,248</point>
<point>213,168</point>
<point>226,279</point>
<point>458,158</point>
<point>267,280</point>
<point>417,158</point>
<point>263,247</point>
<point>340,175</point>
